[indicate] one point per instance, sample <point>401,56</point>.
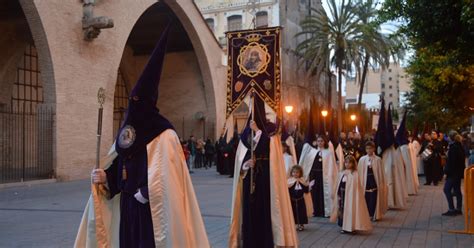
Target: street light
<point>324,113</point>
<point>353,117</point>
<point>289,109</point>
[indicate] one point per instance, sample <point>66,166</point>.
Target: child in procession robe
<point>298,187</point>
<point>349,206</point>
<point>372,177</point>
<point>320,170</point>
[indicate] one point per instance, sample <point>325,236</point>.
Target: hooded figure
<point>394,168</point>
<point>150,200</point>
<point>261,217</point>
<point>407,154</point>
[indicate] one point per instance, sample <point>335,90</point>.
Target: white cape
<point>411,174</point>
<point>417,159</point>
<point>330,170</point>
<point>176,217</point>
<point>379,174</point>
<point>395,176</point>
<point>356,215</point>
<point>283,224</point>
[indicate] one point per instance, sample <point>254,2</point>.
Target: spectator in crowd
<point>436,162</point>
<point>209,151</point>
<point>454,171</point>
<point>186,152</point>
<point>192,152</point>
<point>199,161</point>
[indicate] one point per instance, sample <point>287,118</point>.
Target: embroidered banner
<point>253,65</point>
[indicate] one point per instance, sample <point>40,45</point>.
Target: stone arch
<point>205,50</point>
<point>42,46</point>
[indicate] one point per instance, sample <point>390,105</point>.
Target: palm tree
<point>329,40</point>
<point>376,47</point>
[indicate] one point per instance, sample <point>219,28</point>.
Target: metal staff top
<point>101,100</point>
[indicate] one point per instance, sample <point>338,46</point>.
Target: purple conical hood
<point>146,87</point>
<point>143,121</point>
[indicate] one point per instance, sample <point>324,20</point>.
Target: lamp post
<point>353,119</point>
<point>288,110</point>
<point>324,113</point>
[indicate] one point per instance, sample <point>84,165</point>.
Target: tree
<point>329,40</point>
<point>442,70</point>
<point>376,47</point>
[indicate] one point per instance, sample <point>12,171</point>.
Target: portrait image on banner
<point>253,65</point>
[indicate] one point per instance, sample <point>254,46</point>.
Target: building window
<point>390,95</point>
<point>389,78</point>
<point>234,22</point>
<point>210,23</point>
<point>389,70</point>
<point>27,92</point>
<point>389,86</point>
<point>262,19</point>
<point>383,86</point>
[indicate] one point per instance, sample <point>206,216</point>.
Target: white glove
<point>98,176</point>
<point>140,197</point>
<point>311,184</point>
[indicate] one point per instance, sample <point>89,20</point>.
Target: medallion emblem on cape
<point>126,137</point>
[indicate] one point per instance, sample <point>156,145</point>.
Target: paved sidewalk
<point>48,216</point>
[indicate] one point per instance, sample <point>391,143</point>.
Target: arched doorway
<point>26,120</point>
<point>184,94</point>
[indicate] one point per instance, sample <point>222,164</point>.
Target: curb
<point>27,183</point>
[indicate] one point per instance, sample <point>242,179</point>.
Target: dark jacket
<point>455,163</point>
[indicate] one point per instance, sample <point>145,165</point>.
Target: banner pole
<point>98,189</point>
<point>252,145</point>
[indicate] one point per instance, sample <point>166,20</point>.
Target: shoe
<point>458,212</point>
<point>449,213</point>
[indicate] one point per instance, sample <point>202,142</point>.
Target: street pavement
<point>48,215</point>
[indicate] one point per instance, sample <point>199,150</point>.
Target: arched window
<point>262,19</point>
<point>234,22</point>
<point>210,23</point>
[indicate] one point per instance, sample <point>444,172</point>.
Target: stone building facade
<point>50,74</point>
<point>68,70</point>
<point>231,15</point>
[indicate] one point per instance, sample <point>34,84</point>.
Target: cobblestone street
<point>48,216</point>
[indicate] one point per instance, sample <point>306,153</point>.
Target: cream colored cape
<point>417,159</point>
<point>176,217</point>
<point>291,143</point>
<point>283,224</point>
<point>395,176</point>
<point>379,174</point>
<point>340,155</point>
<point>308,155</point>
<point>356,215</point>
<point>410,169</point>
